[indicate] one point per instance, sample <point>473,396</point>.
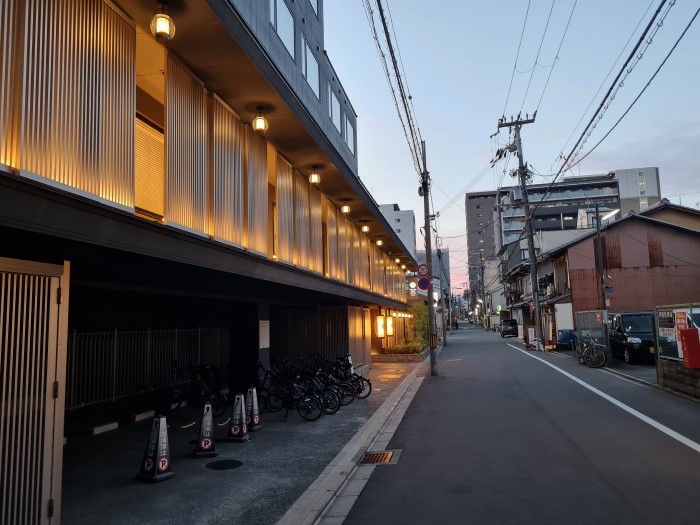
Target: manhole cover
<point>224,464</point>
<point>381,457</point>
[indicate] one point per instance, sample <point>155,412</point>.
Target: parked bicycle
<point>592,353</point>
<point>202,385</point>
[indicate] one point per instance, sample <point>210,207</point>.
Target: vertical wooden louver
<point>332,234</point>
<point>227,171</point>
<point>10,79</point>
<point>285,210</point>
<point>349,234</point>
<point>79,103</point>
<point>301,220</point>
<point>256,185</point>
<point>315,231</point>
<point>364,262</point>
<point>27,360</point>
<point>342,250</point>
<point>187,170</point>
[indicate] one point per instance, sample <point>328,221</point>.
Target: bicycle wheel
<point>595,357</point>
<point>363,387</point>
<point>330,400</point>
<point>346,392</point>
<point>218,404</point>
<point>274,401</point>
<point>309,408</point>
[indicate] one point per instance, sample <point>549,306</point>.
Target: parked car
<point>567,340</point>
<point>632,336</point>
<point>509,327</point>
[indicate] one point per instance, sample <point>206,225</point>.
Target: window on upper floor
<point>397,220</point>
<point>282,21</point>
<point>334,108</point>
<point>398,231</point>
<point>479,214</point>
<point>478,206</point>
<point>309,67</point>
<point>350,135</point>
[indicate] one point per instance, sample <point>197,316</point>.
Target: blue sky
<point>458,59</point>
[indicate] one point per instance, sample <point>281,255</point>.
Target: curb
<point>318,497</point>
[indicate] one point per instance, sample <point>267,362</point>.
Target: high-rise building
<point>482,233</point>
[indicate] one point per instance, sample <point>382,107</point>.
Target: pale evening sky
<point>458,59</point>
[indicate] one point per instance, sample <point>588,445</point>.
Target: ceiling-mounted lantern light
<point>260,122</point>
<point>397,260</point>
<point>345,208</point>
<point>403,266</point>
<point>314,178</point>
<point>365,228</point>
<point>379,242</point>
<point>162,24</point>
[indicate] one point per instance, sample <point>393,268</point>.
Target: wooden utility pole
<point>601,278</point>
<point>532,256</point>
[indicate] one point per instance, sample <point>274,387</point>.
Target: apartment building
<point>403,223</point>
<point>179,183</point>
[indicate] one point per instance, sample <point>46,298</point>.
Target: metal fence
<point>668,320</point>
<point>107,366</point>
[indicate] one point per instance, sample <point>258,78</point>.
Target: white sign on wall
<point>264,337</point>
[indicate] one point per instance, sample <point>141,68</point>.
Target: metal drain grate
<point>383,457</point>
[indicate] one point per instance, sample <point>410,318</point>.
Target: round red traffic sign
<point>424,283</point>
<point>423,270</point>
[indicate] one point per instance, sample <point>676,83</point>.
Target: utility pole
<point>522,171</point>
<point>442,299</point>
<point>432,330</point>
<point>601,278</point>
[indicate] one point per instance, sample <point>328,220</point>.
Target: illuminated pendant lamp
<point>345,208</point>
<point>314,178</point>
<point>365,229</point>
<point>162,24</point>
<point>260,122</point>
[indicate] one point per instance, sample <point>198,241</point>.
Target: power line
<point>382,57</point>
<point>642,91</point>
<point>603,82</point>
<point>532,74</point>
<point>517,55</point>
<point>556,56</point>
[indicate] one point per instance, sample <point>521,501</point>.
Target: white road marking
<point>671,433</point>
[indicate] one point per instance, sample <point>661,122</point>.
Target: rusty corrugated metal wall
<point>657,265</point>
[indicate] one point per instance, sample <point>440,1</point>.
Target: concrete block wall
<point>673,375</point>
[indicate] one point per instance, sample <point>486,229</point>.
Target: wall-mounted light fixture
<point>365,228</point>
<point>314,177</point>
<point>380,326</point>
<point>345,208</point>
<point>390,324</point>
<point>162,24</point>
<point>260,122</point>
<point>379,242</point>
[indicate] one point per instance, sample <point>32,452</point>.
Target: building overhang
<point>31,212</point>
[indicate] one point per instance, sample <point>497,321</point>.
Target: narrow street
<point>507,436</point>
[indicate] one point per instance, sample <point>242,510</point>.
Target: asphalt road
<point>507,436</point>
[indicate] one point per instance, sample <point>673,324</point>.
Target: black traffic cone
<point>156,460</point>
<point>251,410</point>
<point>238,429</point>
<point>205,443</point>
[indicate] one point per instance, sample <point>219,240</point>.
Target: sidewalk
<point>289,465</point>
